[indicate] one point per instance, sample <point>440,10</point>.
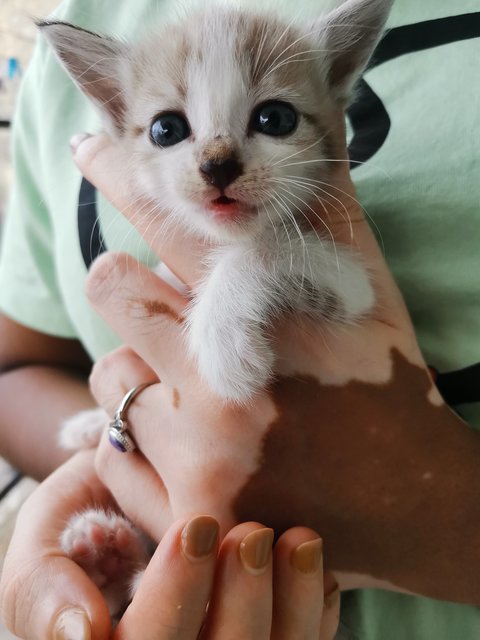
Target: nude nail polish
<point>72,624</point>
<point>307,557</point>
<point>199,537</point>
<point>256,551</point>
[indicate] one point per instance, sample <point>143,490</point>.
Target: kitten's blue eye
<point>168,129</point>
<point>274,119</point>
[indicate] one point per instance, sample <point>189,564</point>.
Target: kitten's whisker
<point>319,218</point>
<point>163,232</point>
<point>280,38</point>
<point>292,44</point>
<point>166,226</point>
<point>353,199</point>
<point>94,64</point>
<point>273,225</point>
<point>348,161</point>
<point>291,217</point>
<point>273,201</point>
<point>294,58</point>
<point>119,93</point>
<point>287,181</point>
<point>292,155</point>
<point>309,187</point>
<point>296,224</point>
<point>255,68</point>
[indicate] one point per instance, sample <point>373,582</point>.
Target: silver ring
<point>118,434</point>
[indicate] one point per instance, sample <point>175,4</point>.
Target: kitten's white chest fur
<point>249,284</point>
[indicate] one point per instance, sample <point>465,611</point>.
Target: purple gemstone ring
<point>121,441</point>
<point>118,434</point>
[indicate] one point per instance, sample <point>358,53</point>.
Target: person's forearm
<point>34,401</point>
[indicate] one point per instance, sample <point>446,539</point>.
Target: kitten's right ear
<point>347,36</point>
<point>93,62</point>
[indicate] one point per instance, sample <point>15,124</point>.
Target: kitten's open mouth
<point>223,200</point>
<point>229,210</point>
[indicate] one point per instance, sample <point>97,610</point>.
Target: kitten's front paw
<point>109,549</point>
<point>83,430</point>
<point>235,366</point>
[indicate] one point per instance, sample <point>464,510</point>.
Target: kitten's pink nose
<point>222,173</point>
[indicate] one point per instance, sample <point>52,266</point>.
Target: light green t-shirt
<point>417,125</point>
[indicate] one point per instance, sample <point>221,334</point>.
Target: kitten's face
<point>228,118</point>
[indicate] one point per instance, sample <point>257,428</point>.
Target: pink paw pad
<point>106,546</point>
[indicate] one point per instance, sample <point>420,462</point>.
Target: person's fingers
<point>331,613</point>
<point>143,310</point>
<point>153,512</point>
<point>173,594</point>
<point>115,374</point>
<point>298,586</point>
<point>44,594</point>
<point>130,475</point>
<point>241,603</point>
<point>118,373</point>
<point>104,164</point>
<point>112,377</point>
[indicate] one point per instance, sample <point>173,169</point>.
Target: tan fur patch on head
<point>278,56</point>
<point>221,148</point>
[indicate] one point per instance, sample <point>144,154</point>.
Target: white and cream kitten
<point>230,116</point>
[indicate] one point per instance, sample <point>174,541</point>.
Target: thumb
<point>43,593</point>
<point>51,597</point>
<point>105,165</point>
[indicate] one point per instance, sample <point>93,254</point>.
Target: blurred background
<point>17,38</point>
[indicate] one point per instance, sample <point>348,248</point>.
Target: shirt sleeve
<point>29,291</point>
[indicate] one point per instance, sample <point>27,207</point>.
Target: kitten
<point>230,115</point>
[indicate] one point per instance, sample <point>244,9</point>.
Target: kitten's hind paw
<point>109,549</point>
<point>82,430</point>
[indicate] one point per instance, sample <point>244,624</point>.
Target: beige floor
<point>17,36</point>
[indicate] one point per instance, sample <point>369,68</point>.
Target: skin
<point>360,389</point>
<point>179,416</point>
<point>52,373</point>
<point>71,607</point>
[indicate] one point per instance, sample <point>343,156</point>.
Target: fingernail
<point>307,557</point>
<point>199,537</point>
<point>76,141</point>
<point>256,550</point>
<point>72,624</point>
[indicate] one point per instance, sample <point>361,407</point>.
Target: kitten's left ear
<point>93,62</point>
<point>348,35</point>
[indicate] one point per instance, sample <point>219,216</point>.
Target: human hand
<point>353,422</point>
<point>249,592</point>
<point>44,594</point>
<point>41,589</point>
